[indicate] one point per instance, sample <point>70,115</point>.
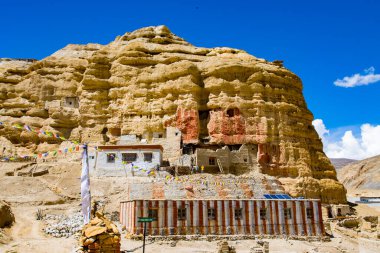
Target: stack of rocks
<point>100,236</point>
<point>63,226</point>
<point>260,247</point>
<point>224,248</point>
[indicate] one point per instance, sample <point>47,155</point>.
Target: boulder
<point>6,216</point>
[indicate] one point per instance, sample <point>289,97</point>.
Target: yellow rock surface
<point>149,79</point>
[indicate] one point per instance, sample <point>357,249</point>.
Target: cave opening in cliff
<point>188,149</point>
<point>204,118</point>
<point>231,112</point>
<point>105,130</point>
<point>234,147</point>
<point>72,102</point>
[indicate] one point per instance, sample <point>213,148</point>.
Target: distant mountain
<point>341,162</point>
<point>364,174</point>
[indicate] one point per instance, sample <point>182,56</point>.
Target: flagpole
<point>85,186</point>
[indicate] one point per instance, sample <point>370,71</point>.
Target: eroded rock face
<point>6,216</point>
<point>150,79</point>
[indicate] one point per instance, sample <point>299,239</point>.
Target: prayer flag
<point>18,126</point>
<point>27,128</point>
<point>85,187</point>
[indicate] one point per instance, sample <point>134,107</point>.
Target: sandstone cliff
<point>150,79</point>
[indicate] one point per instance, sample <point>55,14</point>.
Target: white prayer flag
<point>85,187</point>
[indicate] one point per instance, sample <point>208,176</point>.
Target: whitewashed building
<point>125,160</point>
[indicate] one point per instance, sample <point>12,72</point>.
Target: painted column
<point>308,220</point>
<point>316,218</point>
<point>282,218</point>
<point>220,217</point>
<point>161,217</point>
<point>205,217</point>
<point>259,220</point>
<point>170,217</point>
<point>274,216</point>
<point>233,221</point>
<point>299,218</point>
<point>251,216</point>
<point>269,215</point>
<point>196,216</point>
<point>243,216</point>
<point>227,216</point>
<point>188,216</point>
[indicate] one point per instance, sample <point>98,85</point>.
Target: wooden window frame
<point>109,155</point>
<point>124,157</point>
<point>181,214</point>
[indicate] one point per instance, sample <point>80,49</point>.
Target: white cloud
<point>348,146</point>
<point>358,79</point>
<point>320,128</point>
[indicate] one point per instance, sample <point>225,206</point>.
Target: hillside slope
<point>362,175</point>
<point>341,162</point>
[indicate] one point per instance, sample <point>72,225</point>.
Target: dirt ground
<point>28,236</point>
<point>59,193</point>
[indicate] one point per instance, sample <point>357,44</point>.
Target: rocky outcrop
<point>149,79</point>
<point>6,216</point>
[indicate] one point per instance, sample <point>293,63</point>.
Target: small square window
<point>238,213</point>
<point>245,160</point>
<point>263,213</point>
<point>211,161</point>
<point>128,157</point>
<point>153,213</point>
<point>111,157</point>
<point>92,157</point>
<point>181,214</point>
<point>211,214</point>
<point>160,135</point>
<point>287,213</point>
<point>309,213</point>
<point>148,157</point>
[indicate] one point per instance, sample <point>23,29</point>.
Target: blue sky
<point>321,41</point>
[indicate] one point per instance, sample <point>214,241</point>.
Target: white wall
<point>100,167</point>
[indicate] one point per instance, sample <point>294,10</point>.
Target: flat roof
<point>292,199</point>
<point>137,146</point>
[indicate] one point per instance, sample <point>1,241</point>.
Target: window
<point>211,161</point>
<point>238,213</point>
<point>287,213</point>
<point>128,157</point>
<point>160,135</point>
<point>263,213</point>
<point>181,213</point>
<point>148,157</point>
<point>211,214</point>
<point>153,213</point>
<point>187,150</point>
<point>111,157</point>
<point>92,157</point>
<point>309,213</point>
